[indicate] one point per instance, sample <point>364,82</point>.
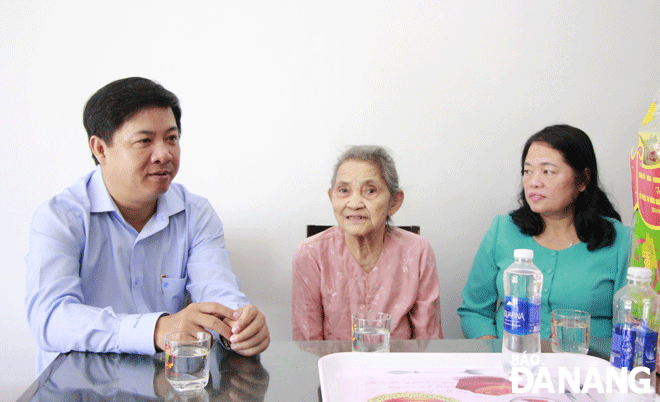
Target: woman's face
<point>360,198</point>
<point>549,182</point>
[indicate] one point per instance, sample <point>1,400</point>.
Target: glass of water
<point>187,360</point>
<point>570,331</point>
<point>371,331</point>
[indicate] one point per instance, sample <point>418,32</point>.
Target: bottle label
<point>522,316</point>
<point>647,343</point>
<point>623,346</point>
<point>632,346</point>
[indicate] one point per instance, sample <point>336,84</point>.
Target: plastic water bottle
<point>635,325</point>
<point>521,344</point>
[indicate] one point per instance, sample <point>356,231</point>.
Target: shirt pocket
<point>174,293</point>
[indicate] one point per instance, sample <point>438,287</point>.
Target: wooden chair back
<point>314,229</point>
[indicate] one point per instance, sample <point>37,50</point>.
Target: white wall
<point>273,91</point>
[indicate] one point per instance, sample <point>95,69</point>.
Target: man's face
<point>143,159</point>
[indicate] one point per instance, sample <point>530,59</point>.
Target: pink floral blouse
<point>329,285</point>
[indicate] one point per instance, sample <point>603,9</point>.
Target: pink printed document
<point>466,377</point>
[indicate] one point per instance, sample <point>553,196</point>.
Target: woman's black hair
<point>591,205</point>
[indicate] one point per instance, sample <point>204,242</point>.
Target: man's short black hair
<point>120,100</point>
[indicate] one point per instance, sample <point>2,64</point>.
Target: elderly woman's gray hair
<point>376,155</point>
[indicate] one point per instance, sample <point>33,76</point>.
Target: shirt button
<point>137,282</point>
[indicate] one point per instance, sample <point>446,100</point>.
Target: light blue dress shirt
<point>95,284</point>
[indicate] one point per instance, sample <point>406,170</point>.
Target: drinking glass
<point>371,331</point>
<point>570,331</point>
<point>187,360</point>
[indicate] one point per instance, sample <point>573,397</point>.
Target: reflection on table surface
<point>286,371</point>
<point>125,377</point>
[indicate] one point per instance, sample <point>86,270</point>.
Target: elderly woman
<point>579,243</point>
<point>364,263</point>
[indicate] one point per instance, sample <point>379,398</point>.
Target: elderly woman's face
<point>360,198</point>
<point>549,182</point>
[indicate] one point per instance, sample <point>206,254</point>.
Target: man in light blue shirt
<point>116,259</point>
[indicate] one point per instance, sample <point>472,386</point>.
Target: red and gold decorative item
<point>645,174</point>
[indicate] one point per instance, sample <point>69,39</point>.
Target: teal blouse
<point>573,278</point>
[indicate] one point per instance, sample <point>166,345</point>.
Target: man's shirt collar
<point>100,199</point>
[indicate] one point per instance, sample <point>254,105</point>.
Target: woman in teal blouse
<point>579,243</point>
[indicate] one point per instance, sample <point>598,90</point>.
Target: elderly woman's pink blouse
<point>329,285</point>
